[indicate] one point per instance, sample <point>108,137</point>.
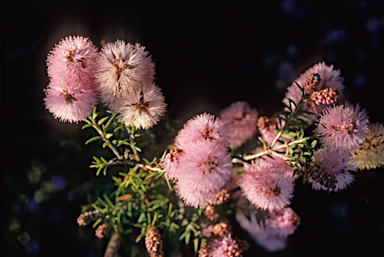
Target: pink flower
<point>224,247</point>
<point>266,186</point>
<point>342,128</point>
<point>284,221</point>
<point>203,171</point>
<point>121,68</point>
<point>73,60</point>
<point>266,237</point>
<point>170,163</point>
<point>329,171</point>
<point>142,107</point>
<point>69,102</point>
<point>240,121</point>
<point>203,127</point>
<point>330,78</point>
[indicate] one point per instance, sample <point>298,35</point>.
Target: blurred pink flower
<point>69,102</point>
<point>266,186</point>
<point>342,128</point>
<point>121,68</point>
<point>203,127</point>
<point>240,121</point>
<point>284,221</point>
<point>203,171</point>
<point>142,107</point>
<point>73,60</point>
<point>266,237</point>
<point>170,163</point>
<point>330,170</point>
<point>330,78</point>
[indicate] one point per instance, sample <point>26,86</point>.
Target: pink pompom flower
<point>330,170</point>
<point>69,102</point>
<point>224,247</point>
<point>329,78</point>
<point>73,60</point>
<point>266,186</point>
<point>342,128</point>
<point>203,170</point>
<point>240,121</point>
<point>203,127</point>
<point>142,107</point>
<point>121,68</point>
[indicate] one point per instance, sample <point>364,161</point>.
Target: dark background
<point>208,55</point>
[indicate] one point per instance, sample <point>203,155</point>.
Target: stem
<point>286,124</point>
<point>133,144</point>
<point>113,148</point>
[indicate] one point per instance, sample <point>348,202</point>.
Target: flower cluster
<point>153,242</point>
<point>125,74</point>
<point>199,161</point>
<point>71,93</point>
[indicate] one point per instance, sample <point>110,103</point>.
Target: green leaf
<point>97,222</point>
<point>313,144</point>
<point>108,135</point>
<point>101,121</point>
<point>142,218</point>
<point>94,113</point>
<point>87,125</point>
<point>108,201</point>
<point>109,122</point>
<point>196,244</point>
<point>93,139</point>
<point>105,144</point>
<point>151,175</point>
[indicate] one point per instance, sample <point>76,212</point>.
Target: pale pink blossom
<point>284,221</point>
<point>203,171</point>
<point>121,68</point>
<point>73,60</point>
<point>69,102</point>
<point>330,170</point>
<point>142,108</point>
<point>240,121</point>
<point>266,186</point>
<point>203,127</point>
<point>330,78</point>
<point>342,128</point>
<point>171,162</point>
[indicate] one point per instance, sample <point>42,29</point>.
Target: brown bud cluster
<point>210,212</point>
<point>220,197</point>
<point>87,218</point>
<point>104,228</point>
<point>321,176</point>
<point>325,96</point>
<point>311,83</point>
<point>220,229</point>
<point>153,242</point>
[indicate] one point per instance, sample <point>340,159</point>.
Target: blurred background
<point>208,55</point>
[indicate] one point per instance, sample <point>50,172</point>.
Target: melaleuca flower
<point>325,96</point>
<point>87,218</point>
<point>267,128</point>
<point>240,121</point>
<point>330,170</point>
<point>224,246</point>
<point>170,163</point>
<point>103,230</point>
<point>284,222</point>
<point>266,186</point>
<point>142,107</point>
<point>73,59</point>
<point>121,68</point>
<point>342,128</point>
<point>69,102</point>
<point>203,171</point>
<point>153,242</point>
<point>203,127</point>
<point>370,154</point>
<point>266,237</point>
<point>330,78</point>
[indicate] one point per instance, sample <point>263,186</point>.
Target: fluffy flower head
<point>342,127</point>
<point>122,67</point>
<point>266,186</point>
<point>73,59</point>
<point>142,108</point>
<point>284,221</point>
<point>203,127</point>
<point>240,121</point>
<point>69,103</point>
